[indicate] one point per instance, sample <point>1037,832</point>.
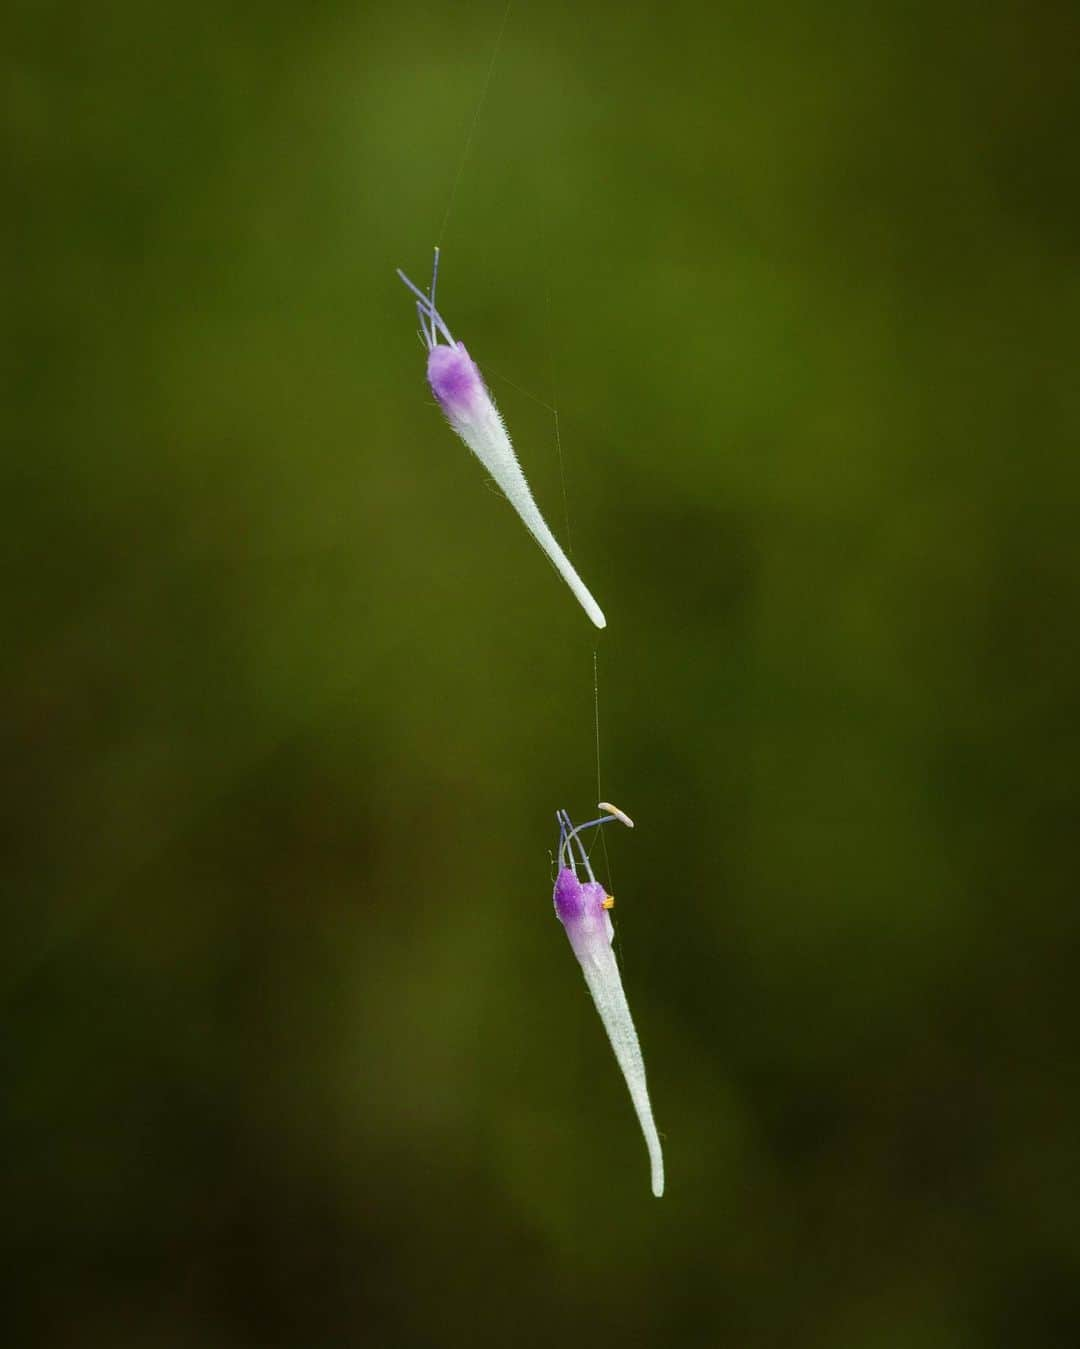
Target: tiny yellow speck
<point>608,902</point>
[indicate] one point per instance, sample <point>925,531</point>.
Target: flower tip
<point>656,1166</point>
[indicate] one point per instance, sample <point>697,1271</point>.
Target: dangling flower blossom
<point>584,909</point>
<point>469,408</point>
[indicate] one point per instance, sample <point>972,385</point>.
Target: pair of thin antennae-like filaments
<point>431,321</point>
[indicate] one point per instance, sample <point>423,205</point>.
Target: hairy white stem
<point>605,985</point>
<point>487,437</point>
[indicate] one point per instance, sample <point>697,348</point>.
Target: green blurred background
<point>294,1050</point>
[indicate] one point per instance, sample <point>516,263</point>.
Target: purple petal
<point>580,909</point>
<point>456,381</point>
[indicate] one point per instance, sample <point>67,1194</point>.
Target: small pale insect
<point>583,908</point>
<point>458,385</point>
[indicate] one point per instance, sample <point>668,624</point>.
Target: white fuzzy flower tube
<point>458,385</point>
<point>584,909</point>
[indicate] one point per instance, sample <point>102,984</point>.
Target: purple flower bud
<point>583,911</point>
<point>457,383</point>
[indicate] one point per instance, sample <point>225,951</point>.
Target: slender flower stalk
<point>458,385</point>
<point>584,909</point>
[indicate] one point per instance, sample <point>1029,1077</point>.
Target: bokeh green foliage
<point>295,1052</point>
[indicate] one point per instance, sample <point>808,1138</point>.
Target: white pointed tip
<point>656,1162</point>
<point>620,815</point>
<point>596,614</point>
